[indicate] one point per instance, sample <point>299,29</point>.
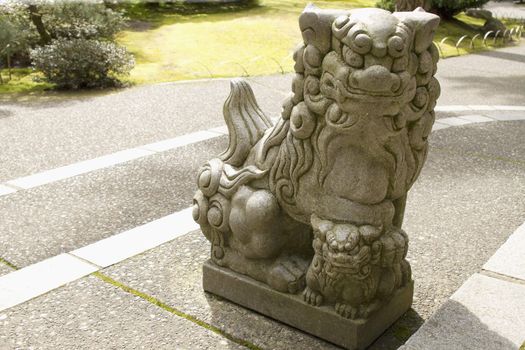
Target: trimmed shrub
<point>82,63</point>
<point>78,19</point>
<point>448,8</point>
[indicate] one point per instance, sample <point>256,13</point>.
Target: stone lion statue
<point>314,203</point>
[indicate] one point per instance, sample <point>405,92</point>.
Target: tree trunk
<point>36,18</point>
<point>9,65</point>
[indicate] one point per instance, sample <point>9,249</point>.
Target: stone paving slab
<point>59,217</point>
<point>172,273</point>
<point>502,140</point>
<point>483,78</point>
<point>462,208</point>
<point>509,259</point>
<point>5,269</point>
<point>92,314</point>
<point>68,130</point>
<point>484,314</point>
<point>459,212</point>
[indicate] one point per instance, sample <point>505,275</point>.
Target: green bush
<point>448,8</point>
<point>77,19</point>
<point>389,5</point>
<point>25,25</point>
<point>82,63</point>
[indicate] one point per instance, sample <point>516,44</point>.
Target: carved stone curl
<point>314,204</point>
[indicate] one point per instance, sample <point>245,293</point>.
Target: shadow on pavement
<point>454,326</point>
<point>399,332</point>
<point>5,113</point>
<point>509,89</point>
<point>503,55</point>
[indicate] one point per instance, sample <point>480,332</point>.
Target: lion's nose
<point>374,79</point>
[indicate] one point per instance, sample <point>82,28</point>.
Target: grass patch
<point>5,262</point>
<point>22,81</point>
<point>402,333</point>
<point>256,40</point>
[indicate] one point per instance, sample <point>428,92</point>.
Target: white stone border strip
<point>37,279</point>
<point>509,259</point>
<point>34,280</point>
<point>116,248</point>
<point>83,167</point>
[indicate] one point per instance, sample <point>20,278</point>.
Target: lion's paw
<point>347,311</point>
<point>312,297</point>
<point>288,275</point>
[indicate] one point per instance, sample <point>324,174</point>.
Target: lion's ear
<point>423,24</point>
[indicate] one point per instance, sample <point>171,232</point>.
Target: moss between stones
<point>5,262</point>
<point>402,333</point>
<point>174,311</point>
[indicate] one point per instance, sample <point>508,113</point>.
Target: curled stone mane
<point>302,135</point>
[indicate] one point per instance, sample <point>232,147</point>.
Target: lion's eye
<point>396,46</point>
<point>362,43</point>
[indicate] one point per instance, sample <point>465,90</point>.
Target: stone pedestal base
<point>322,322</point>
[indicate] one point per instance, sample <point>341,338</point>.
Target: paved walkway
<point>506,9</point>
<point>470,198</point>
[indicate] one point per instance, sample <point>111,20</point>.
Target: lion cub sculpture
<point>314,204</point>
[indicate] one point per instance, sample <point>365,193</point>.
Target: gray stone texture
<point>5,269</point>
<point>463,208</point>
<point>59,217</point>
<point>484,314</point>
<point>291,309</point>
<point>172,273</point>
<point>481,80</point>
<point>92,314</point>
<point>509,259</point>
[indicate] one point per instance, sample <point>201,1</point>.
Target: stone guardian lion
<point>315,202</point>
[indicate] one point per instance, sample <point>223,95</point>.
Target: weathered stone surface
<point>315,203</point>
<point>320,321</point>
<point>172,273</point>
<point>485,313</point>
<point>509,259</point>
<point>91,314</point>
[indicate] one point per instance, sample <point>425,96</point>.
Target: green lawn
<point>221,42</point>
<point>23,80</point>
<point>253,41</point>
<point>257,41</point>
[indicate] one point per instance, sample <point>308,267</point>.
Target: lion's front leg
<point>263,244</point>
